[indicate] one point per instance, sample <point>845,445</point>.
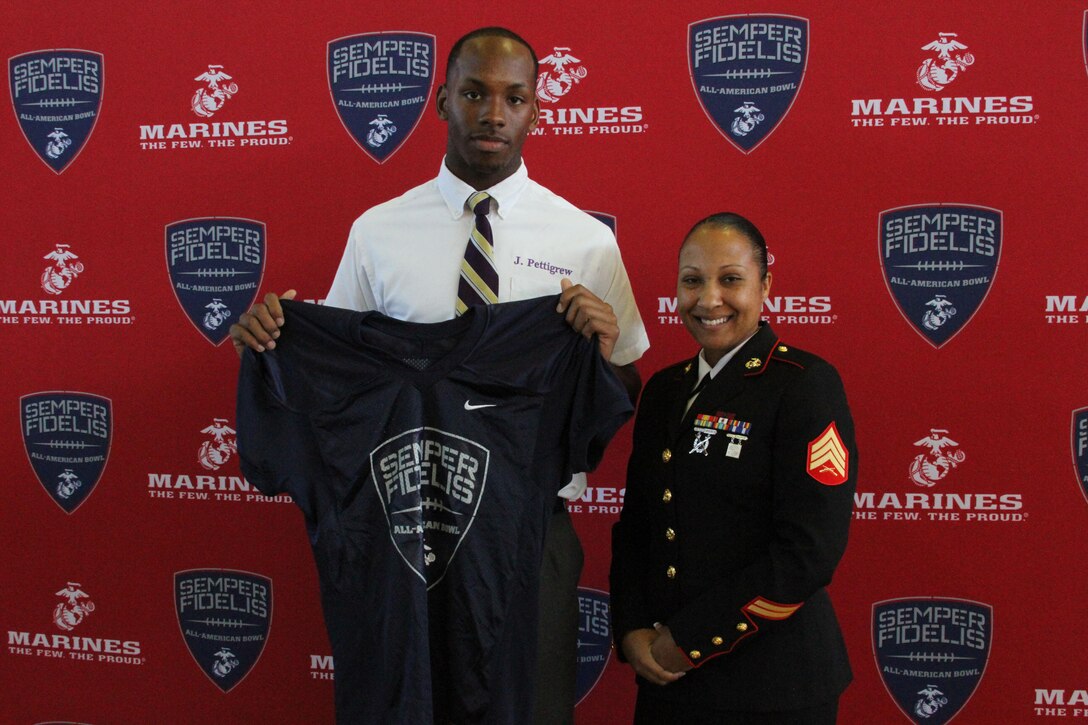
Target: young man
<point>403,259</point>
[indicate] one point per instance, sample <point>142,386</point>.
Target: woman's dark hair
<point>731,220</point>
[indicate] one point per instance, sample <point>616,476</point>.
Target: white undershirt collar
<point>505,194</point>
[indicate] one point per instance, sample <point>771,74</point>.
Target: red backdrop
<point>993,513</point>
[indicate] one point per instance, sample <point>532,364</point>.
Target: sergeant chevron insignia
<point>828,459</point>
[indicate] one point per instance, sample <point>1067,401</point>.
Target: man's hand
<point>589,315</point>
<point>259,328</point>
<point>666,653</point>
<point>637,645</point>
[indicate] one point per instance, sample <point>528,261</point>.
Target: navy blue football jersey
<point>426,460</point>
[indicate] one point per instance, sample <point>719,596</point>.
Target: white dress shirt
<point>403,257</point>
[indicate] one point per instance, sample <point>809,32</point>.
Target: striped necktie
<point>479,284</point>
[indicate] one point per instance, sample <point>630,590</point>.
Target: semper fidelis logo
<point>746,71</point>
<point>931,653</point>
<point>215,265</point>
<point>380,84</point>
<point>224,617</point>
<point>430,483</point>
<point>939,261</point>
<point>1080,448</point>
<point>67,438</point>
<point>594,639</point>
<point>57,95</point>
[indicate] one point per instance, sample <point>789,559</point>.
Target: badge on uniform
<point>707,426</point>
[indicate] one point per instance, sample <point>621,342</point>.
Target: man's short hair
<point>489,32</point>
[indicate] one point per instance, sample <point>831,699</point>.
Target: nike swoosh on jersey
<point>470,406</point>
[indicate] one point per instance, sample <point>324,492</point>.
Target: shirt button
<point>667,496</point>
<point>717,640</point>
<point>671,572</point>
<point>666,455</point>
<point>695,654</point>
<point>742,627</point>
<point>670,534</point>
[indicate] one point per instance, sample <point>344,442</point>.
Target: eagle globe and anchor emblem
<point>554,83</point>
<point>936,73</point>
<point>61,273</point>
<point>69,613</point>
<point>59,143</point>
<point>69,483</point>
<point>750,117</point>
<point>941,312</point>
<point>931,701</point>
<point>225,662</point>
<point>223,444</point>
<point>943,456</point>
<point>217,314</point>
<point>383,131</point>
<point>206,101</point>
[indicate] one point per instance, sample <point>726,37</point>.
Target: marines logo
<point>942,456</point>
<point>76,605</point>
<point>225,617</point>
<point>555,82</point>
<point>594,639</point>
<point>56,95</point>
<point>749,118</point>
<point>939,262</point>
<point>746,71</point>
<point>936,73</point>
<point>1080,448</point>
<point>62,272</point>
<point>225,662</point>
<point>58,143</point>
<point>380,83</point>
<point>383,131</point>
<point>215,265</point>
<point>931,653</point>
<point>216,452</point>
<point>206,101</point>
<point>67,439</point>
<point>430,483</point>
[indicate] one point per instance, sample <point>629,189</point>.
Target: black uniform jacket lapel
<point>682,385</point>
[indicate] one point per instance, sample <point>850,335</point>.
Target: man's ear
<point>536,113</point>
<point>440,102</point>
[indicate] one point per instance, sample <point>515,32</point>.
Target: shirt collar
<point>704,366</point>
<point>505,193</point>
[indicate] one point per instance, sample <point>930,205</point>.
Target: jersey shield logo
<point>594,639</point>
<point>216,265</point>
<point>56,95</point>
<point>67,438</point>
<point>430,483</point>
<point>1080,448</point>
<point>380,83</point>
<point>931,653</point>
<point>746,71</point>
<point>828,459</point>
<point>939,261</point>
<point>225,617</point>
